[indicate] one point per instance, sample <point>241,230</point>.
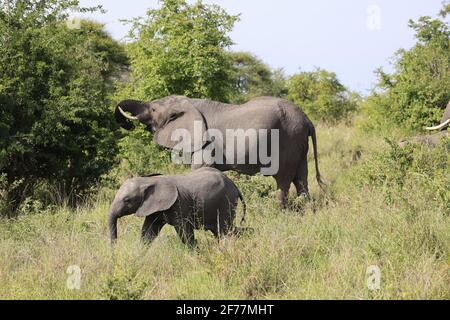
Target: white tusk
<point>442,125</point>
<point>127,116</point>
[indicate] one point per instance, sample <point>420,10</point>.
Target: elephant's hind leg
<point>283,196</point>
<point>284,185</point>
<point>185,231</point>
<point>301,178</point>
<point>224,219</point>
<point>152,226</point>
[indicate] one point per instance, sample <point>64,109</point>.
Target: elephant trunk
<point>112,222</point>
<point>134,108</point>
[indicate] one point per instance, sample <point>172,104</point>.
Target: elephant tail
<point>244,207</point>
<point>316,157</point>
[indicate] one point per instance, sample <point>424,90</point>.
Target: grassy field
<point>384,207</point>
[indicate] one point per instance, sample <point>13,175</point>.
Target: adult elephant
<point>263,114</point>
<point>444,122</point>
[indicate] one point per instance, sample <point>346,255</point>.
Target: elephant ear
<point>158,196</point>
<point>136,108</point>
<point>181,114</point>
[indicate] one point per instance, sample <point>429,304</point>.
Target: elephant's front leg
<point>152,226</point>
<point>283,195</point>
<point>185,230</point>
<point>301,179</point>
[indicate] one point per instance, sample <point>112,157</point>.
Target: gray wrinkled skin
<point>202,198</point>
<point>165,115</point>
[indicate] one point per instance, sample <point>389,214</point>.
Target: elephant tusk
<point>127,116</point>
<point>442,125</point>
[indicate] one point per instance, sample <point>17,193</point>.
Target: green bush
<point>55,88</point>
<point>254,186</point>
<point>123,286</point>
<point>416,94</point>
<point>254,78</point>
<point>322,96</point>
<point>405,175</point>
<point>138,156</point>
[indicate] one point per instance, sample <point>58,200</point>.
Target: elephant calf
<point>205,197</point>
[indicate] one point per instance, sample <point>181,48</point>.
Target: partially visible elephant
<point>433,139</point>
<point>430,140</point>
<point>165,115</point>
<point>204,197</point>
<point>445,121</point>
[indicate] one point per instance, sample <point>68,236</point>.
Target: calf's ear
<point>158,196</point>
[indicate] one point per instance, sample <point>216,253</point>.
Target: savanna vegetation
<point>62,157</point>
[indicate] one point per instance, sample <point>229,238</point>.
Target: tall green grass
<point>384,206</point>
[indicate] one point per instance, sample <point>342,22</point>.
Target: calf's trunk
<point>112,223</point>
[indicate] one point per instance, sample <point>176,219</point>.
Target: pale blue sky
<point>300,35</point>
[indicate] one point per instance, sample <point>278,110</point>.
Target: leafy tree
<point>320,94</point>
<point>445,11</point>
<point>254,78</point>
<point>55,88</point>
<point>415,95</point>
<point>179,49</point>
<point>279,83</point>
